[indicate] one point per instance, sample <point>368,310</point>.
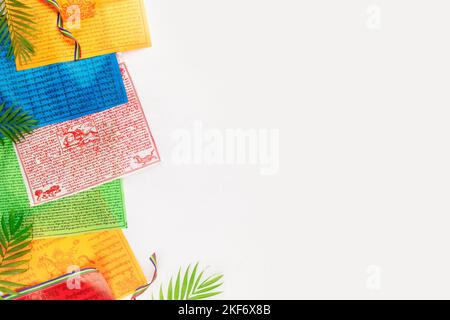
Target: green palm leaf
<point>190,285</point>
<point>16,27</point>
<point>14,123</point>
<point>15,245</point>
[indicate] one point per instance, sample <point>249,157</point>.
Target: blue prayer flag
<point>64,91</point>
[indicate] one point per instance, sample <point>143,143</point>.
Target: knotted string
<point>65,32</point>
<point>144,288</point>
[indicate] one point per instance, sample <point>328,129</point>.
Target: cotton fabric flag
<point>63,159</point>
<point>81,284</point>
<point>108,252</point>
<point>93,210</point>
<point>63,91</point>
<point>99,26</point>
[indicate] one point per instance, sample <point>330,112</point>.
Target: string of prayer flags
<point>99,26</point>
<point>80,154</point>
<point>63,179</point>
<point>63,91</point>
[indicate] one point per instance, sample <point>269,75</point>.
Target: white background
<point>359,207</point>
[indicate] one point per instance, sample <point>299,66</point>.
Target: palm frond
<point>191,286</point>
<point>16,28</point>
<point>14,123</point>
<point>15,246</point>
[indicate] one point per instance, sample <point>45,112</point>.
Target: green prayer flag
<point>100,208</point>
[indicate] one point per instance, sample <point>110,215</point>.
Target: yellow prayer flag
<point>100,27</point>
<point>106,251</point>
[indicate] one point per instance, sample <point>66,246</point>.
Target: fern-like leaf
<point>14,123</point>
<point>191,286</point>
<point>15,246</point>
<point>16,28</point>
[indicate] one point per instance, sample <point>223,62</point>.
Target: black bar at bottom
<point>221,309</point>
